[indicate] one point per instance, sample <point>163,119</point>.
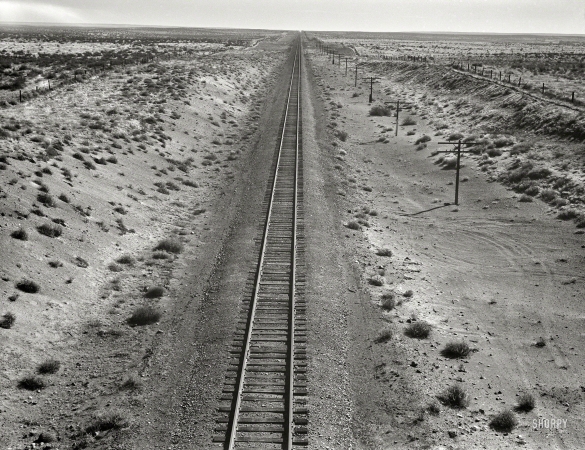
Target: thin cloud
<point>13,11</point>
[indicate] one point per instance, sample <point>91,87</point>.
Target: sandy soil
<point>493,272</point>
<point>183,151</point>
<point>127,160</point>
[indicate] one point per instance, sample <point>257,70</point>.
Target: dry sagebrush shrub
<point>504,421</point>
<point>49,366</point>
<point>418,330</point>
<point>454,396</point>
<point>144,315</point>
<point>28,286</point>
<point>170,245</point>
<point>456,349</point>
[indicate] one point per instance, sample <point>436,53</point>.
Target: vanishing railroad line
<point>264,396</point>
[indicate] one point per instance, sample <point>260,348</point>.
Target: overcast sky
<point>503,16</point>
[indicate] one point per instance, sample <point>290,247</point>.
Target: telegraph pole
<point>459,151</point>
<point>372,80</point>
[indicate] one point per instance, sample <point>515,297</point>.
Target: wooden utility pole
<point>356,69</point>
<point>372,81</point>
<point>397,112</point>
<point>458,167</point>
<point>345,66</point>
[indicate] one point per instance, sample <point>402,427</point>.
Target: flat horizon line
<point>113,25</point>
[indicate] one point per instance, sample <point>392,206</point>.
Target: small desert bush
<point>20,234</point>
<point>456,349</point>
<point>113,267</point>
<point>379,110</point>
<point>449,162</point>
<point>50,230</point>
<point>454,397</point>
<point>384,252</point>
<point>504,421</point>
<point>455,136</point>
<point>525,198</point>
<point>520,148</point>
<point>503,142</point>
<point>126,259</point>
<point>160,255</point>
<point>408,121</point>
<point>111,421</point>
<point>7,321</point>
<point>548,195</point>
<point>388,301</point>
<point>144,315</point>
<point>433,408</point>
<point>376,280</point>
<point>48,367</point>
<point>31,383</point>
<point>341,135</point>
<point>384,336</point>
<point>418,330</point>
<point>353,225</point>
<point>154,292</point>
<point>190,183</point>
<point>408,293</point>
<point>55,264</point>
<point>28,286</point>
<point>64,198</point>
<point>170,245</point>
<point>130,384</point>
<point>46,199</point>
<point>525,403</point>
<point>421,140</point>
<point>532,190</point>
<point>567,214</point>
<point>493,152</point>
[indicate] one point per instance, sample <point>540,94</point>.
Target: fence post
<point>49,81</point>
<point>500,75</point>
<point>543,88</point>
<point>519,80</point>
<point>573,97</point>
<point>20,95</point>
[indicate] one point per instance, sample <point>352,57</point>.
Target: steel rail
<point>231,439</point>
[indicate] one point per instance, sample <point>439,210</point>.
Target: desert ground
<point>130,203</point>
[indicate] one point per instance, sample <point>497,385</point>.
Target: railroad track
<point>263,404</point>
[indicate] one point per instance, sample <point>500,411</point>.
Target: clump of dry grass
<point>456,349</point>
<point>46,199</point>
<point>504,421</point>
<point>388,301</point>
<point>379,110</point>
<point>105,422</point>
<point>144,315</point>
<point>49,366</point>
<point>418,330</point>
<point>384,252</point>
<point>454,396</point>
<point>50,229</point>
<point>126,259</point>
<point>421,140</point>
<point>170,245</point>
<point>28,286</point>
<point>154,292</point>
<point>20,234</point>
<point>353,225</point>
<point>384,336</point>
<point>7,321</point>
<point>376,280</point>
<point>526,403</point>
<point>31,383</point>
